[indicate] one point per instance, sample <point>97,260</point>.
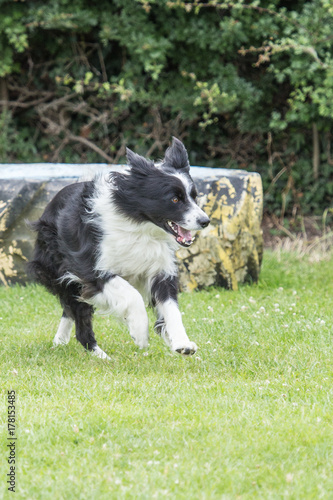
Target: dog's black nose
<point>204,221</point>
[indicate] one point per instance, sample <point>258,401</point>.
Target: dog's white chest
<point>137,254</point>
<point>134,251</point>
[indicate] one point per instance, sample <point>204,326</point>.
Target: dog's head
<point>162,193</point>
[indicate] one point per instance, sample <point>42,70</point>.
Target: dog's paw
<point>140,340</point>
<point>186,350</point>
<point>61,340</point>
<point>140,334</point>
<point>97,351</point>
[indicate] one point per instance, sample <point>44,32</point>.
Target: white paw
<point>187,349</point>
<point>61,340</point>
<point>138,327</point>
<point>140,339</point>
<point>97,351</point>
<point>63,334</point>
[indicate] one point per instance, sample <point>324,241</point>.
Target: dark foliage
<point>244,85</point>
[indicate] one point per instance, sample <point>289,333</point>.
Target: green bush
<point>246,85</point>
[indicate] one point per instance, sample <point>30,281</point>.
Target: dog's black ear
<point>138,163</point>
<point>176,156</point>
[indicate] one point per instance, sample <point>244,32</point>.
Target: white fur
<point>97,351</point>
<point>63,334</point>
<point>174,333</point>
<point>137,252</point>
<point>124,301</point>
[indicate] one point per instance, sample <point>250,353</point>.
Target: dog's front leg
<point>169,324</point>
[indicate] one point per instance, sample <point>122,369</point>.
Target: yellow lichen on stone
<point>7,267</point>
<point>3,218</point>
<point>229,250</point>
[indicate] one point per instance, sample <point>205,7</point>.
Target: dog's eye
<point>175,199</point>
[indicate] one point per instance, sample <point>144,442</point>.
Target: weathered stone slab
<point>227,252</point>
<point>230,249</point>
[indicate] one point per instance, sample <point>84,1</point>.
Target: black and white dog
<point>110,243</point>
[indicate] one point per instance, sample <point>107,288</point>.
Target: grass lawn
<point>249,416</point>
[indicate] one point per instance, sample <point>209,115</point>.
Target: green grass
<point>249,416</point>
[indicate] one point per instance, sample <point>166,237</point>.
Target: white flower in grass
<point>252,300</point>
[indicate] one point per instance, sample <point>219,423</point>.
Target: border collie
<point>109,244</point>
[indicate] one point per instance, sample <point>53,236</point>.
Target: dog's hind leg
<point>120,298</point>
<point>63,334</point>
<point>81,314</point>
<point>84,333</point>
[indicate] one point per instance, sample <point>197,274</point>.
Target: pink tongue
<point>183,233</point>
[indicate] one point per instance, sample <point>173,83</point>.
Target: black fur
<point>156,187</point>
<point>66,244</point>
<point>164,288</point>
<point>176,157</point>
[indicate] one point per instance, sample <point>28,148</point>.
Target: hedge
<point>244,84</point>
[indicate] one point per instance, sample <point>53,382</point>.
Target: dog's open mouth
<point>182,236</point>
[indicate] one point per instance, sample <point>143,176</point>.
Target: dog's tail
<point>43,266</point>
